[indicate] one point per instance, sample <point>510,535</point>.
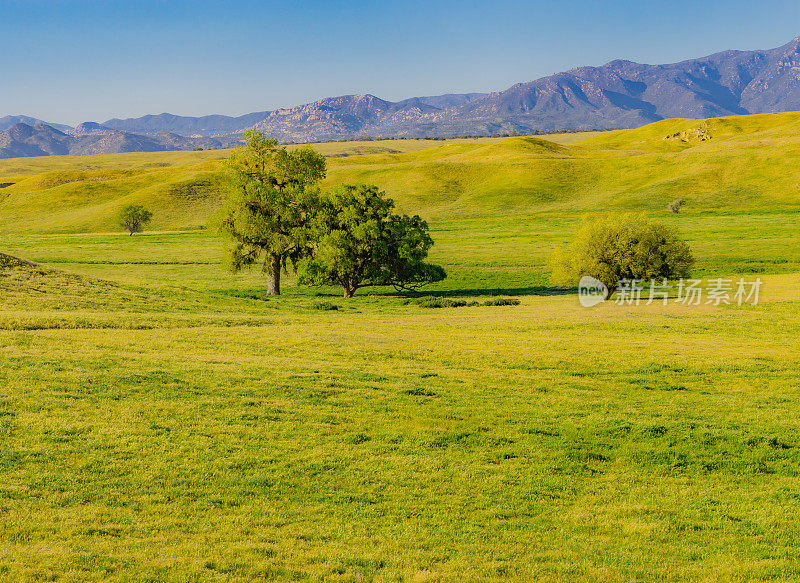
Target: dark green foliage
<point>272,199</point>
<point>419,392</point>
<point>359,438</point>
<point>675,206</point>
<point>436,302</point>
<point>324,306</point>
<point>442,303</point>
<point>502,302</point>
<point>134,217</point>
<point>194,189</point>
<point>360,243</point>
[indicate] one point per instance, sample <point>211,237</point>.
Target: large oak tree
<point>272,197</point>
<point>360,242</point>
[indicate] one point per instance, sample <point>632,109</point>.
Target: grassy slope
<point>37,297</point>
<point>746,165</point>
<point>170,423</point>
<point>84,194</point>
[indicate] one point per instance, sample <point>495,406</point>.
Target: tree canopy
<point>619,247</point>
<point>360,242</point>
<point>134,217</point>
<point>272,198</point>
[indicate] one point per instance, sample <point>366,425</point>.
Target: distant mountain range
<point>208,125</point>
<point>12,120</point>
<point>40,139</point>
<point>620,94</point>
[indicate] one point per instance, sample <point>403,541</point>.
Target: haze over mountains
<point>40,139</point>
<point>620,94</point>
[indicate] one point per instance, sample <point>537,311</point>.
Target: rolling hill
<point>716,165</point>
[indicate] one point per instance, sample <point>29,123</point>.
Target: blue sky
<point>70,61</point>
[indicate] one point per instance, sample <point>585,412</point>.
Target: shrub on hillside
<point>439,302</point>
<point>675,206</point>
<point>433,302</point>
<point>199,188</point>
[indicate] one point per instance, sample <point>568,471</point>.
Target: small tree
<point>675,206</point>
<point>134,217</point>
<point>360,243</point>
<point>272,198</point>
<point>626,246</point>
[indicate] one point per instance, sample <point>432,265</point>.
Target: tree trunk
<point>274,276</point>
<point>348,286</point>
<point>609,292</point>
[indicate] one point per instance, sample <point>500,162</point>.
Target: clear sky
<point>69,61</point>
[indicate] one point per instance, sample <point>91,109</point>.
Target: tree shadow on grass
<point>388,292</point>
<point>537,290</point>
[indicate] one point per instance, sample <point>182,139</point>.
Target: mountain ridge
<point>618,95</point>
<point>23,140</point>
<point>12,120</point>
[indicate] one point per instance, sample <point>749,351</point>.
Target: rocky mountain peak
<point>619,94</point>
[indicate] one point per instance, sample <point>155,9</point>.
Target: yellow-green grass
<point>484,253</point>
<point>747,164</point>
<point>163,420</point>
<point>682,134</point>
<point>84,193</point>
<point>150,434</point>
<point>148,160</point>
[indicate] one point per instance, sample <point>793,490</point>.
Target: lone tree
<point>626,246</point>
<point>134,217</point>
<point>360,243</point>
<point>675,206</point>
<point>272,197</point>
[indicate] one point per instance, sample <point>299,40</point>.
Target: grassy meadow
<point>163,420</point>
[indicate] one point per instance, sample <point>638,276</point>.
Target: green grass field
<point>163,420</point>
